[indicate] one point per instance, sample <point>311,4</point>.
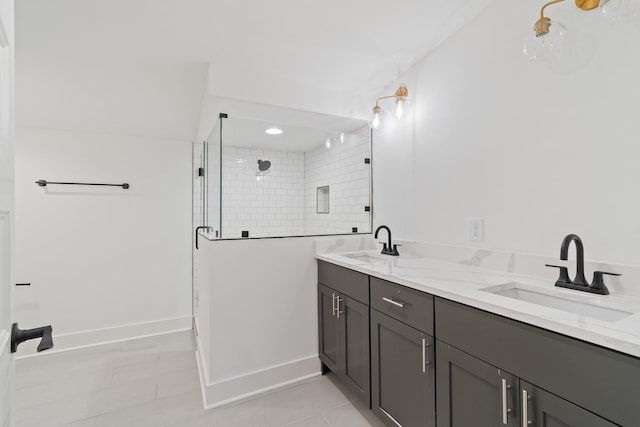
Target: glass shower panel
<point>212,189</point>
<point>337,183</point>
<point>267,177</point>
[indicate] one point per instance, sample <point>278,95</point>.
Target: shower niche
<point>322,205</point>
<point>305,175</point>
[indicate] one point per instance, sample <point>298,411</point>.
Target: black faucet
<point>579,282</point>
<point>387,249</point>
<point>564,255</point>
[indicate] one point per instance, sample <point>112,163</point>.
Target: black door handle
<point>19,336</point>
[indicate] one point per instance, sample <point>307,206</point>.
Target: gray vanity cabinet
<point>544,409</point>
<point>396,347</point>
<point>402,374</point>
<point>402,355</point>
<point>569,375</point>
<point>472,393</point>
<point>330,336</point>
<point>343,333</point>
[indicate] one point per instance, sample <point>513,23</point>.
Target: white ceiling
<point>250,133</point>
<point>140,66</point>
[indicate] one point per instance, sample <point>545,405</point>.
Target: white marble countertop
<point>465,284</point>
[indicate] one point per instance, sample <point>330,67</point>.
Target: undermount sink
<point>592,307</point>
<point>363,257</point>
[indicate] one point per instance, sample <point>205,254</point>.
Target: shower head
<point>264,165</point>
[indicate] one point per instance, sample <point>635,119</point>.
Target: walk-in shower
<point>291,174</point>
<point>313,177</point>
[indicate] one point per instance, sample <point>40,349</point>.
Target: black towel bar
<point>44,183</point>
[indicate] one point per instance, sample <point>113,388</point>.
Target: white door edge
<point>5,336</point>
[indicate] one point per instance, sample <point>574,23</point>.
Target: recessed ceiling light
<point>273,131</point>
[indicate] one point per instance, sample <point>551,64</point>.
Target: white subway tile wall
<point>342,167</point>
<point>265,206</point>
<point>283,201</point>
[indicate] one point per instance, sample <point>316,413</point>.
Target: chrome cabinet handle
<point>338,301</point>
<point>425,361</point>
<point>333,302</point>
<point>525,409</point>
<point>391,301</point>
<point>505,404</point>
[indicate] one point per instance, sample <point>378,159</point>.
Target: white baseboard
<point>252,384</point>
<point>77,340</point>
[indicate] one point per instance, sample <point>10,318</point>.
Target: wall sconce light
<point>400,98</point>
<point>547,35</point>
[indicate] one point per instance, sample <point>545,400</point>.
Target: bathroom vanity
<point>431,343</point>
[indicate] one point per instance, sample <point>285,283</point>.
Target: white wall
<point>538,150</point>
<point>228,86</point>
<point>259,324</point>
<point>104,263</point>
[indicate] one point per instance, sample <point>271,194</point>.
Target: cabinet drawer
<point>348,282</point>
<point>407,305</point>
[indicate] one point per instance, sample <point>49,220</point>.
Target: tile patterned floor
<point>154,382</point>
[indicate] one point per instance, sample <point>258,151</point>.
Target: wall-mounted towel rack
<point>44,183</point>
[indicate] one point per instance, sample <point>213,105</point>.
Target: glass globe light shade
<point>545,40</point>
<point>619,11</point>
<point>374,119</point>
<point>401,106</point>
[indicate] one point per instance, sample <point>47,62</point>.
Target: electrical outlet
<point>476,229</point>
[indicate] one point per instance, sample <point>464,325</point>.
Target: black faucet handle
<point>394,251</point>
<point>564,273</point>
<point>384,247</point>
<point>598,285</point>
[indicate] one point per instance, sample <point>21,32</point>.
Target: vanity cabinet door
<point>543,409</point>
<point>472,393</point>
<point>354,320</point>
<point>402,373</point>
<point>329,335</point>
<point>343,340</point>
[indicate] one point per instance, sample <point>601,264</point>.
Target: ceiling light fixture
<point>273,131</point>
<point>547,36</point>
<point>400,98</point>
